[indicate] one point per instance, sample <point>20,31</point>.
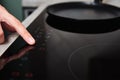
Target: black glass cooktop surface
<point>62,55</point>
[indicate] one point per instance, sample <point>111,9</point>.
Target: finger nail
<point>31,41</point>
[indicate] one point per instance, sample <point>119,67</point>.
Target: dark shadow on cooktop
<point>85,26</point>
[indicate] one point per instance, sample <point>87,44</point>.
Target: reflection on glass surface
<point>5,60</point>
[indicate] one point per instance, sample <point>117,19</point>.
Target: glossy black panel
<point>61,55</point>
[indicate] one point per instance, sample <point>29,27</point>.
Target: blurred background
<point>21,9</point>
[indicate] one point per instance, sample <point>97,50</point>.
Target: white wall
<point>32,2</point>
<point>38,2</point>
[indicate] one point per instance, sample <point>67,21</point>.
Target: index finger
<point>20,29</point>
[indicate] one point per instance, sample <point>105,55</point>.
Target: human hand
<point>12,24</point>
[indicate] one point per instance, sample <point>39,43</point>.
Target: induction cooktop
<point>62,55</point>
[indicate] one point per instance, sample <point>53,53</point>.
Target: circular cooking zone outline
<point>69,61</point>
<point>79,69</point>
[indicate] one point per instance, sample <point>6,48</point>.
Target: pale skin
<point>11,23</point>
